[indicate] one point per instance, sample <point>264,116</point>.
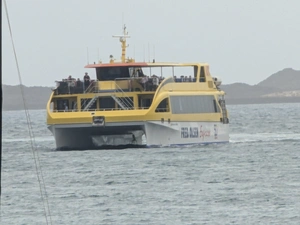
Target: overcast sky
<point>243,41</point>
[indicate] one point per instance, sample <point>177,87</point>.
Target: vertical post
<point>144,52</point>
<point>87,55</point>
<point>123,41</point>
<point>148,52</point>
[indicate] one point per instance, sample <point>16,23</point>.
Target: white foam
<point>263,137</point>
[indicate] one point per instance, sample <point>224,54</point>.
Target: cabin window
<point>194,104</point>
<point>107,103</point>
<point>185,74</point>
<point>62,104</point>
<point>145,102</point>
<point>112,73</point>
<point>202,74</point>
<point>163,106</point>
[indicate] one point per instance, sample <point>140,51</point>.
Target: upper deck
<point>127,84</point>
<point>128,75</point>
<point>139,76</point>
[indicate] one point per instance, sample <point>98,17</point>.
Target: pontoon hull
<point>154,133</point>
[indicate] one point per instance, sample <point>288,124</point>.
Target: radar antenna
<point>123,41</point>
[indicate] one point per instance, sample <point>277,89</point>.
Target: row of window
<point>189,104</point>
<point>179,104</point>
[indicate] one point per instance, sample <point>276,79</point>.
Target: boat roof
<point>143,64</point>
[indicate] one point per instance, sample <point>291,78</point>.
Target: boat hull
<point>185,133</point>
<point>138,134</point>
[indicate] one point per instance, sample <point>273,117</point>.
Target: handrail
<point>127,99</point>
<point>95,110</point>
<point>92,87</point>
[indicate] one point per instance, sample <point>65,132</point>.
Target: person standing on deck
<point>155,82</point>
<point>86,81</point>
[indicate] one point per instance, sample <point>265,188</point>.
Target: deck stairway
<point>90,103</point>
<point>124,102</point>
<point>120,97</point>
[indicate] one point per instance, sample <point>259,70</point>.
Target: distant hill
<point>241,90</point>
<point>286,80</point>
<point>283,86</point>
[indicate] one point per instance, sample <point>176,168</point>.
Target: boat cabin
<point>128,85</point>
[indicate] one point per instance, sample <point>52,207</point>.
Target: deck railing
<point>94,110</point>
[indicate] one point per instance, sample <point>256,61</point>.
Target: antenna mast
<point>123,41</point>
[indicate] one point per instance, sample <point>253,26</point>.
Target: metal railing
<point>124,101</point>
<point>94,110</point>
<point>92,88</point>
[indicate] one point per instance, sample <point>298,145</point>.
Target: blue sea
<point>254,179</point>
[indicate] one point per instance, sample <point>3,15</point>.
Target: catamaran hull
<point>87,136</point>
<point>185,133</point>
<point>139,134</point>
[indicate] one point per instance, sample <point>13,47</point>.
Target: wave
<point>36,139</point>
<point>263,137</point>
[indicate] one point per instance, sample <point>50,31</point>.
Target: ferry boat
<point>138,104</point>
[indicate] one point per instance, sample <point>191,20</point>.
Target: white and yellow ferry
<point>138,104</point>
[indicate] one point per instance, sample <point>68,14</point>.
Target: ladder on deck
<point>91,102</point>
<point>124,102</point>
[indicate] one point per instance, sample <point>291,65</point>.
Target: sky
<point>243,41</point>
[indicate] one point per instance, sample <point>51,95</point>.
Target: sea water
<point>254,179</point>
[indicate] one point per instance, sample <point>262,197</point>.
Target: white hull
<point>156,133</point>
<point>185,133</point>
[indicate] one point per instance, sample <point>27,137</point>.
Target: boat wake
<point>37,139</point>
<point>264,137</point>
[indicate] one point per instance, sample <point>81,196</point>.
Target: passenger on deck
<point>140,73</point>
<point>79,86</point>
<point>66,107</point>
<point>71,84</point>
<point>182,78</point>
<point>155,82</point>
<point>78,83</point>
<point>144,81</point>
<point>86,80</point>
